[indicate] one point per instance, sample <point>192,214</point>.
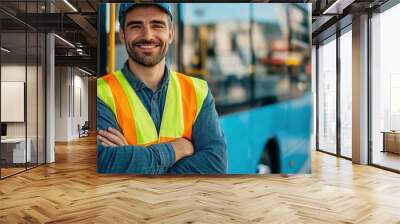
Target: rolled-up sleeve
<point>209,144</point>
<point>154,159</point>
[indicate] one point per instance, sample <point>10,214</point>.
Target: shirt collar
<point>137,84</point>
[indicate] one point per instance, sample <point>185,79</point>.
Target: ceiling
<point>76,22</point>
<point>330,15</point>
<point>73,20</point>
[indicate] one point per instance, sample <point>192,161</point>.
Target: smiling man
<point>152,120</point>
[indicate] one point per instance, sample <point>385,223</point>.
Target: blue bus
<point>256,59</point>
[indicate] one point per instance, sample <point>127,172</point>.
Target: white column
<point>50,92</point>
<point>360,90</point>
<point>50,100</point>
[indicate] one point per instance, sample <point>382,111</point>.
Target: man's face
<point>147,35</point>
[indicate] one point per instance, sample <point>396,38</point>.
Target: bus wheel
<point>269,161</point>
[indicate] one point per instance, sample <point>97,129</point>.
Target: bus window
<point>279,37</point>
<point>246,52</point>
<point>216,47</point>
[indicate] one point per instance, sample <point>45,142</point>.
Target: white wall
<point>71,93</point>
<point>61,103</point>
<point>33,126</point>
<point>80,100</point>
<point>13,73</point>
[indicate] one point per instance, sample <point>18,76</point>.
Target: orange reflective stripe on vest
<point>123,112</point>
<point>184,99</point>
<point>189,104</point>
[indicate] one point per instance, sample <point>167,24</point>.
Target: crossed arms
<point>205,154</point>
<point>113,138</point>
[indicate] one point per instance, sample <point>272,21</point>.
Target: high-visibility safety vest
<point>183,102</point>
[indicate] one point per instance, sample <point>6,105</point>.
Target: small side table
<point>391,141</point>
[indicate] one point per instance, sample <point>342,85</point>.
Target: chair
<point>84,130</point>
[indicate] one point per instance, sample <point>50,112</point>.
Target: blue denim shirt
<point>207,137</point>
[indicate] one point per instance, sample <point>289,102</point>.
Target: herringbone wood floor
<point>70,191</point>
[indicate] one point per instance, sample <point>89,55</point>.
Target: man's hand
<point>182,148</point>
<point>111,137</point>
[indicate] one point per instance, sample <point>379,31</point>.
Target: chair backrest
<point>86,125</point>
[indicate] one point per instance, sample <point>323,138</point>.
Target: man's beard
<point>147,60</point>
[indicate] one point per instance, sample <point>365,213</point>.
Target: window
<point>22,75</point>
<point>327,96</point>
<point>385,85</point>
<point>247,52</point>
<point>216,47</point>
<point>346,93</point>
